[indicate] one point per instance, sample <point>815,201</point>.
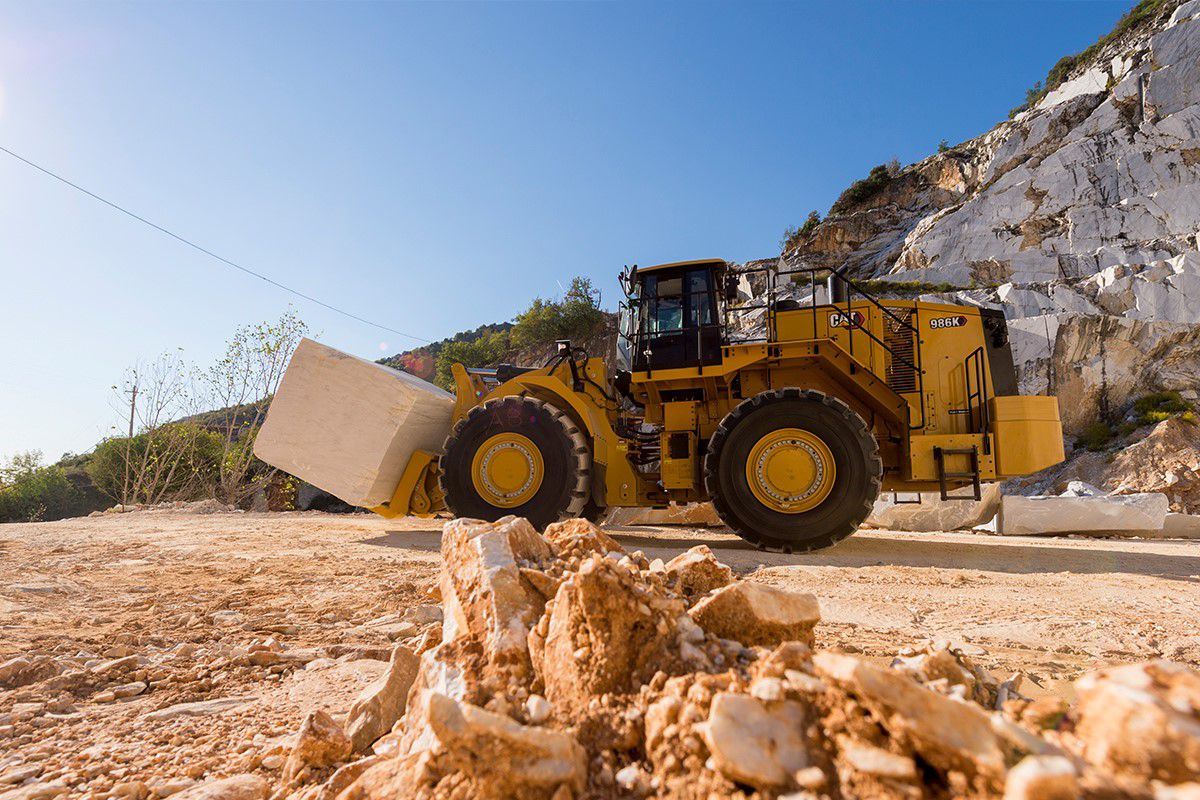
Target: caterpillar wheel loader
<point>791,425</point>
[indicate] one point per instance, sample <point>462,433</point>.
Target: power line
<point>208,252</point>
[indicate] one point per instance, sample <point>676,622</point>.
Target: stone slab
<point>1126,514</point>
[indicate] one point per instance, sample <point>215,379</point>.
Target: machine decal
<point>938,323</point>
<point>840,319</point>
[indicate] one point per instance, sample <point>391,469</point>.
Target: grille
<point>901,375</point>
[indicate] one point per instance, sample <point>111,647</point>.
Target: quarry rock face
<point>638,685</point>
<point>1080,217</point>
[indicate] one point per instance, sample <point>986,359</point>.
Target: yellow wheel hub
<point>790,470</point>
<point>507,470</point>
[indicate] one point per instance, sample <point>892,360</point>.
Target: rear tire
<point>516,455</point>
<point>815,499</point>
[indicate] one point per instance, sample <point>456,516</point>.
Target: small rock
<point>876,761</point>
<point>1042,778</point>
<point>381,703</point>
<point>755,744</point>
<point>200,708</point>
<point>757,614</point>
<point>698,571</point>
<point>238,787</point>
<point>320,743</point>
<point>538,708</point>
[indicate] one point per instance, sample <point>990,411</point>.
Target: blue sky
<point>434,166</point>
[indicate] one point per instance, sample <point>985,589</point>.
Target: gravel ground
<point>281,613</point>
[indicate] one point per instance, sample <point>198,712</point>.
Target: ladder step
<point>939,455</point>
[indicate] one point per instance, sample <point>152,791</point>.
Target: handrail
<point>838,273</point>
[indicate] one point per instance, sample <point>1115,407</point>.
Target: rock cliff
<point>1080,216</point>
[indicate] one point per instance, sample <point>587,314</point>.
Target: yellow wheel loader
<point>790,416</point>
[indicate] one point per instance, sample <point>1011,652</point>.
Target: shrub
<point>576,316</point>
<point>862,190</point>
<point>794,236</point>
<point>1159,406</point>
<point>1142,13</point>
<point>943,146</point>
<point>180,461</point>
<point>1095,436</point>
<point>31,492</point>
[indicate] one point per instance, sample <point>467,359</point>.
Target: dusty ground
<point>192,597</point>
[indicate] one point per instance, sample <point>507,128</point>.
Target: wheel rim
<point>507,470</point>
<point>790,470</point>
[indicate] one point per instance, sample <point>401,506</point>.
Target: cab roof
<point>703,262</point>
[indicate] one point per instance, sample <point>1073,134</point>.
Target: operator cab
<point>671,319</point>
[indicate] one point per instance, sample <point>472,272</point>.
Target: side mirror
<point>731,287</point>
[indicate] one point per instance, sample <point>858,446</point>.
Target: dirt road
<point>275,614</point>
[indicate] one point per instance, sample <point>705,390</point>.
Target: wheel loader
<point>790,416</point>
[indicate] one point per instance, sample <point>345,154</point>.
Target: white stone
<point>349,425</point>
<point>902,513</point>
<point>754,743</point>
<point>201,708</point>
<point>1130,513</point>
<point>1042,778</point>
<point>1181,526</point>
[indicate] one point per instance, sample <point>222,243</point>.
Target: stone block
<point>348,425</point>
<point>1125,513</point>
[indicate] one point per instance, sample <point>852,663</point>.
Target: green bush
<point>863,190</point>
<point>943,146</point>
<point>175,462</point>
<point>576,317</point>
<point>484,351</point>
<point>31,492</point>
<point>794,236</point>
<point>1142,13</point>
<point>1095,436</point>
<point>1154,408</point>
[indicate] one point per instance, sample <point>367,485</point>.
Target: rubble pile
<point>566,667</point>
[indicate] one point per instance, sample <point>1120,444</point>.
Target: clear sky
<point>434,166</point>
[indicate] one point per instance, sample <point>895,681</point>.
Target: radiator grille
<point>901,374</point>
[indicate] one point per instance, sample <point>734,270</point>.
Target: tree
<point>576,316</point>
<point>156,457</point>
<point>484,351</point>
<point>240,384</point>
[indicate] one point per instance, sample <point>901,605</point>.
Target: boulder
<point>1142,720</point>
<point>348,425</point>
<point>238,787</point>
<point>697,572</point>
<point>758,614</point>
<point>756,743</point>
<point>382,703</point>
<point>690,515</point>
<point>934,514</point>
<point>1129,514</point>
<point>949,734</point>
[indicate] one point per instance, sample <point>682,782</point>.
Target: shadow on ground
<point>987,554</point>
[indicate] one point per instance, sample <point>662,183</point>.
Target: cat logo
<point>840,319</point>
<point>947,322</point>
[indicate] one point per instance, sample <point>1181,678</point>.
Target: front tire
<point>793,470</point>
<point>516,455</point>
